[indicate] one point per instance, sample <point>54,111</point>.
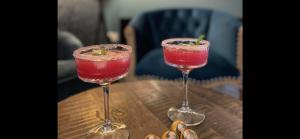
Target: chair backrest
<point>223,35</point>
<point>81,18</point>
<point>66,44</point>
<point>154,26</point>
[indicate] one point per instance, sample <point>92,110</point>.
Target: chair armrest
<point>66,44</point>
<point>215,82</point>
<point>240,58</point>
<point>240,50</point>
<point>129,34</point>
<point>66,70</point>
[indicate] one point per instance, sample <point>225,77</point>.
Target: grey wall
<point>118,9</point>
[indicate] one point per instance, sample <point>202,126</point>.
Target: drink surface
<point>184,54</point>
<point>99,63</point>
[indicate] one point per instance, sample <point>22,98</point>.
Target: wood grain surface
<point>143,106</point>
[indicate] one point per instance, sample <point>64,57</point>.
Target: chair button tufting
<point>182,15</point>
<point>168,14</point>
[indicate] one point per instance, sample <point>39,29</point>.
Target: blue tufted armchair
<point>146,31</point>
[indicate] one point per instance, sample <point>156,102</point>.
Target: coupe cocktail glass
<point>185,54</point>
<point>104,64</point>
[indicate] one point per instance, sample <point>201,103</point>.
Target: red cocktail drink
<point>182,53</point>
<point>99,67</point>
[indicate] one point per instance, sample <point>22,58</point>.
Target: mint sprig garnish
<point>201,37</point>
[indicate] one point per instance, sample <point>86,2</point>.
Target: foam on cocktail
<point>110,52</point>
<point>185,44</point>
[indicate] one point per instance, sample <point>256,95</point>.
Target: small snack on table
<point>151,136</point>
<point>178,130</point>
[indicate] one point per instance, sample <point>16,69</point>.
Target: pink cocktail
<point>104,64</point>
<point>96,67</point>
<point>185,54</point>
<point>182,53</point>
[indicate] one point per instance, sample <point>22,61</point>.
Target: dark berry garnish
<point>120,48</point>
<point>86,51</point>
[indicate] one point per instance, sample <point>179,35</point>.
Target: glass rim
<point>77,55</point>
<point>205,44</point>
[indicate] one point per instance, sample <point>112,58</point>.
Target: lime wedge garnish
<point>99,52</point>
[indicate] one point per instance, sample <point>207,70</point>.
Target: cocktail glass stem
<point>185,103</point>
<point>107,126</point>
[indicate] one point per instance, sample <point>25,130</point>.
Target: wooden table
<point>143,105</point>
